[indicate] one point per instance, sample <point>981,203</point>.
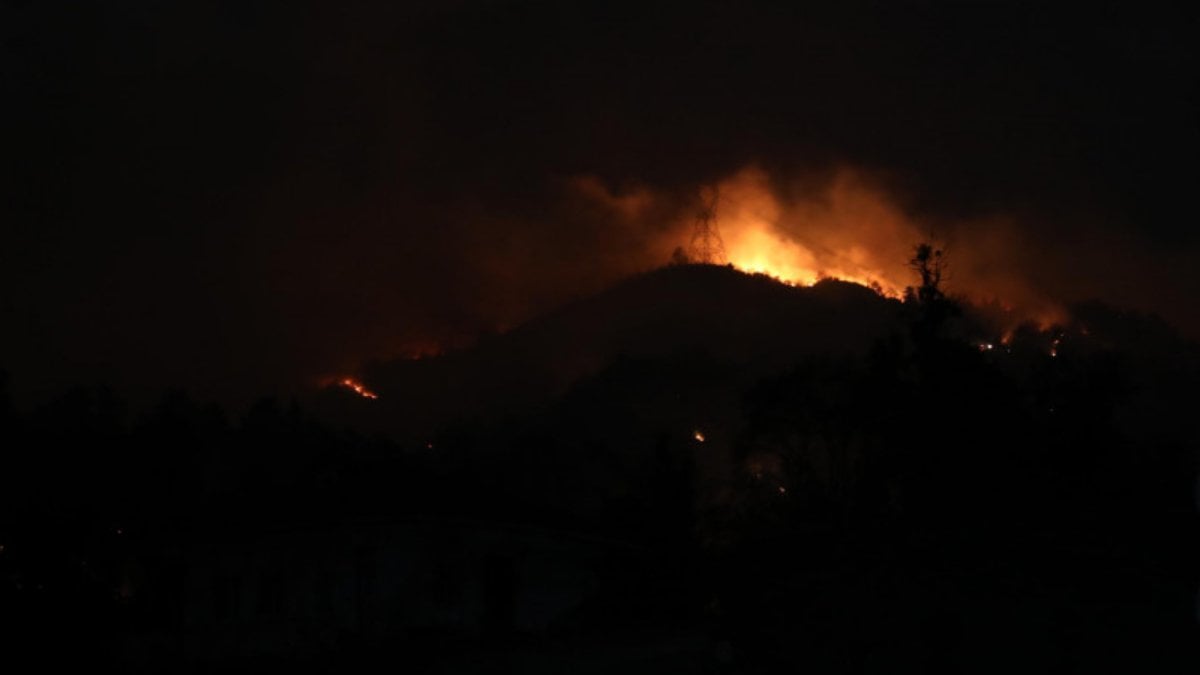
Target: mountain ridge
<point>750,322</point>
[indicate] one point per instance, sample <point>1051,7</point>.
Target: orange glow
<point>842,237</point>
<point>760,252</point>
<point>698,435</point>
<point>845,225</point>
<point>358,388</point>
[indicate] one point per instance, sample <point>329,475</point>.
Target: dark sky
<point>241,197</point>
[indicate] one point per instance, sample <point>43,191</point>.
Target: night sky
<point>242,197</point>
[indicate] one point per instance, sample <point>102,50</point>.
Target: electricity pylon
<point>707,247</point>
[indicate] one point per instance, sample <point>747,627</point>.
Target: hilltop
<point>749,324</point>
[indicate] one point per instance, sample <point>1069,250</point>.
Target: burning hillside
<point>842,228</point>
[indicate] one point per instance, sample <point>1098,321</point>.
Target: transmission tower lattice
<point>707,246</point>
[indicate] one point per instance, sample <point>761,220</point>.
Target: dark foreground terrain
<point>775,480</point>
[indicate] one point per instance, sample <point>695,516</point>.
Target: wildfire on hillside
<point>358,388</point>
<point>846,227</point>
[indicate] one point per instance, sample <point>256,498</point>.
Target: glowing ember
<point>358,388</point>
<point>698,435</point>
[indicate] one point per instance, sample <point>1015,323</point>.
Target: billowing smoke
<point>842,226</point>
<point>249,206</point>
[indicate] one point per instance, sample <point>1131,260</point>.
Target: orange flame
<point>848,228</point>
<point>358,388</point>
<point>840,237</point>
<point>843,224</point>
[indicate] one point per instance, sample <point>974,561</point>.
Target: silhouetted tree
<point>679,256</point>
<point>929,263</point>
<point>931,309</point>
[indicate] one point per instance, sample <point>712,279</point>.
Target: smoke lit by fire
<point>845,236</point>
<point>843,225</point>
<point>844,228</point>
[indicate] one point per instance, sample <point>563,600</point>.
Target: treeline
<point>1030,496</point>
<point>959,490</point>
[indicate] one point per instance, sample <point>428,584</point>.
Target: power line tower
<point>707,246</point>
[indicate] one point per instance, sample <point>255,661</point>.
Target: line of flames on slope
<point>358,388</point>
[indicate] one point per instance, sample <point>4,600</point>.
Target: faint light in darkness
<point>358,388</point>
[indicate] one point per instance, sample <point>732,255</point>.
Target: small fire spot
<point>358,388</point>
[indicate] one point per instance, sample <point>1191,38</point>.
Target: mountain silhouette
<point>786,476</point>
<point>751,324</point>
